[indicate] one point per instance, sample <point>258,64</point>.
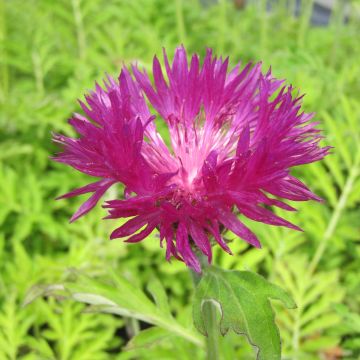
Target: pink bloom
<point>233,138</point>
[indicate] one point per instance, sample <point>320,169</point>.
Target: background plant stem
<point>180,21</point>
<point>306,12</point>
<point>340,207</point>
<point>4,78</point>
<point>132,327</point>
<point>264,27</point>
<point>79,26</point>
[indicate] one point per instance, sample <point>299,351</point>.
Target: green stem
<point>336,24</point>
<point>132,327</point>
<point>210,316</point>
<point>180,21</point>
<point>4,85</point>
<point>212,341</point>
<point>79,26</point>
<point>340,207</point>
<point>292,8</point>
<point>222,26</point>
<point>263,27</point>
<point>38,73</point>
<point>297,326</point>
<point>306,12</point>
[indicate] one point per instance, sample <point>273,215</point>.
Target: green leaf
<point>120,297</point>
<point>157,343</point>
<point>352,319</point>
<point>243,298</point>
<point>158,293</point>
<point>148,338</point>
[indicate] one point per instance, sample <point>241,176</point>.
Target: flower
<point>234,136</point>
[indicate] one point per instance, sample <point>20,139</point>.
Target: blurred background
<point>52,52</point>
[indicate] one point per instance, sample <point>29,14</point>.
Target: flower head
<point>233,138</point>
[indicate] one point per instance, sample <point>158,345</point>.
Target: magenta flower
<point>233,138</point>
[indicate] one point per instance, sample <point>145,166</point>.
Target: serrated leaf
<point>243,298</point>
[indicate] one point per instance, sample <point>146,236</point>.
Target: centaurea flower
<point>234,136</point>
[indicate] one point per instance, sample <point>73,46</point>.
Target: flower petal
<point>229,220</point>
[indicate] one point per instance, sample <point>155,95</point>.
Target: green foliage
<point>14,329</point>
<point>157,343</point>
<point>314,295</point>
<point>51,52</point>
<point>120,298</point>
<point>243,298</point>
<point>74,334</point>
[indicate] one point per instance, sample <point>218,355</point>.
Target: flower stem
<point>210,316</point>
<point>212,341</point>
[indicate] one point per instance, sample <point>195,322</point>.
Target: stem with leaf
<point>209,313</point>
<point>212,341</point>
